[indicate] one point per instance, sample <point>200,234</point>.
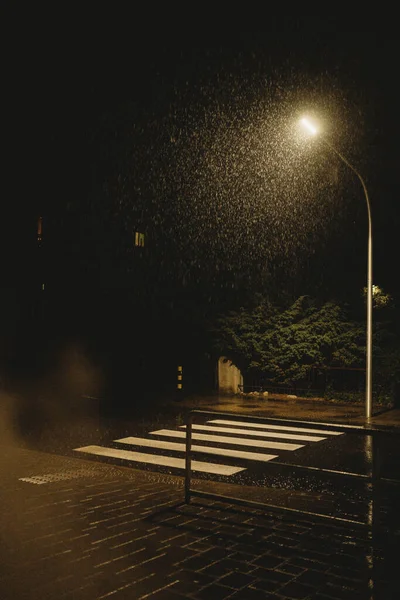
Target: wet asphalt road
<point>319,492</point>
<point>324,493</point>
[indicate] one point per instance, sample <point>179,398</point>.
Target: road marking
<point>165,461</point>
<point>281,427</point>
<point>288,436</point>
<point>219,439</point>
<point>180,447</point>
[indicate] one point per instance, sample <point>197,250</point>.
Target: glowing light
<point>309,126</point>
<point>376,290</point>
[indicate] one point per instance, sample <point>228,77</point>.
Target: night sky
<point>74,103</point>
<point>192,138</point>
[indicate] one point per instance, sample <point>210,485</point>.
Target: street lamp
<point>312,129</point>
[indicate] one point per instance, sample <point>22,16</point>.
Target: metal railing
<point>373,478</point>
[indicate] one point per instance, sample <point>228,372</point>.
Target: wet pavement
<point>78,528</point>
<point>284,407</point>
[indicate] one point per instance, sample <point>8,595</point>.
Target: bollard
<point>188,458</point>
<point>179,382</point>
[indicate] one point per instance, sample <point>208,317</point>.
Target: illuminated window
<point>139,239</point>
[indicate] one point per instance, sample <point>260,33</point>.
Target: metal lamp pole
<point>368,374</point>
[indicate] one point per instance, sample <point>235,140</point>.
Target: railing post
<point>376,475</point>
<point>188,458</point>
<point>374,513</point>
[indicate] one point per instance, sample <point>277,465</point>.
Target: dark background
<point>104,130</point>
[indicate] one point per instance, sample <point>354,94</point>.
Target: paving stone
<point>266,585</point>
<point>291,569</point>
<point>344,593</point>
<point>177,555</point>
<point>216,553</point>
<point>284,540</point>
<point>346,560</point>
<point>312,577</point>
<point>320,596</point>
<point>237,580</point>
<point>250,538</point>
<point>228,565</point>
<point>217,569</point>
<point>296,590</point>
<point>242,557</point>
<point>316,556</point>
<point>238,565</point>
<point>252,594</point>
<point>245,548</point>
<point>350,584</point>
<point>219,540</point>
<point>268,561</point>
<point>189,582</point>
<point>198,562</point>
<point>165,595</point>
<point>272,575</point>
<point>292,528</point>
<point>308,563</point>
<point>349,574</point>
<point>277,550</point>
<point>196,546</point>
<point>213,592</point>
<point>234,532</point>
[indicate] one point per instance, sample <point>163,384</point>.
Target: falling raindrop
<point>214,169</point>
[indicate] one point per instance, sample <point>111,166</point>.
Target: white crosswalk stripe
<point>269,426</point>
<point>243,433</point>
<point>228,440</point>
<point>180,447</point>
<point>166,461</point>
<point>258,433</point>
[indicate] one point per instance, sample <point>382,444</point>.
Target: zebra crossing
<point>221,438</point>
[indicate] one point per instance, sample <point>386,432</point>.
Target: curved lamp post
<point>368,376</point>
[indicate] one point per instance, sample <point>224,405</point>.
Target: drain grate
<point>60,476</point>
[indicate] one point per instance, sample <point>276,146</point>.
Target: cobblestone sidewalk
<point>73,529</point>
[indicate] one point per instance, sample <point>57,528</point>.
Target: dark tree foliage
<point>285,345</point>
